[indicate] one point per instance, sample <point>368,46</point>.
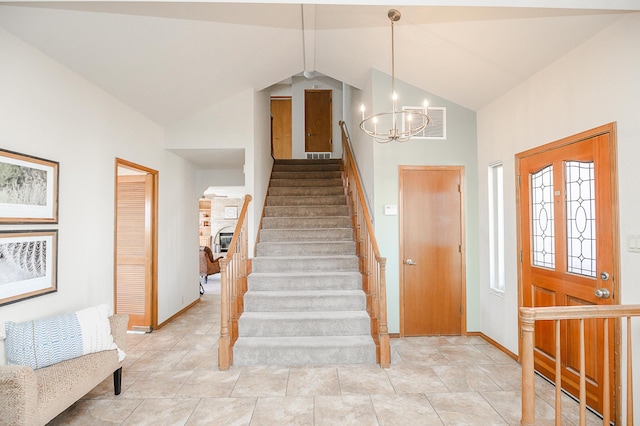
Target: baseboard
<point>177,314</point>
<point>497,345</point>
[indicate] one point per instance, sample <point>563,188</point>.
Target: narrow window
<point>496,227</point>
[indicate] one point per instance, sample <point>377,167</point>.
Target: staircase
<point>305,304</point>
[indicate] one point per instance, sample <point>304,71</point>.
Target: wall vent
<point>318,155</point>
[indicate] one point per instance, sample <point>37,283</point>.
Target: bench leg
<point>117,381</point>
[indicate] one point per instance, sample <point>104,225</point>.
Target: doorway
<point>432,270</point>
<point>281,128</point>
<point>567,215</point>
<point>135,247</point>
<point>317,121</point>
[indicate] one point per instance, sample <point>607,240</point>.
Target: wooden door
<point>567,221</point>
<point>431,251</point>
<point>135,250</point>
<point>317,121</point>
<point>281,128</point>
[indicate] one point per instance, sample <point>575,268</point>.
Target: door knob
<point>604,276</point>
<point>410,262</point>
<point>602,293</point>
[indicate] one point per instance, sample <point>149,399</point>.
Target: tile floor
<point>171,377</point>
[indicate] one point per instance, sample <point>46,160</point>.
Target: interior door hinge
<point>459,188</point>
<point>520,256</point>
<point>518,181</point>
<point>459,248</point>
<point>461,310</point>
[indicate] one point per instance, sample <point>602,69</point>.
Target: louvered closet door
<point>133,250</point>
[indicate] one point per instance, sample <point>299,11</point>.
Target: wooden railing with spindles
<point>234,269</point>
<point>528,318</point>
<point>372,265</point>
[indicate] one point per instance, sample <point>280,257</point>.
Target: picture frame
<point>28,189</point>
<point>231,212</point>
<point>28,264</point>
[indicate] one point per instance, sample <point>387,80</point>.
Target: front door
<point>317,121</point>
<point>567,218</point>
<point>431,251</point>
<point>135,260</point>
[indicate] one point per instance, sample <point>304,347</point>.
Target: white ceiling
<point>169,60</point>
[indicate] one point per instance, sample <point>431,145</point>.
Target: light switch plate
<point>633,243</point>
<point>390,209</point>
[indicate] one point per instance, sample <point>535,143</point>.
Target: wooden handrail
<point>528,317</point>
<point>371,264</point>
<point>233,285</point>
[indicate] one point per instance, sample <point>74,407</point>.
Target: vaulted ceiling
<point>169,60</point>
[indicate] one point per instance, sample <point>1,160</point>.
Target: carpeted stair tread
<point>305,190</point>
<point>337,182</point>
<point>304,300</point>
<point>306,211</point>
<point>306,248</point>
<point>305,263</point>
<point>322,200</point>
<point>315,174</point>
<point>306,234</point>
<point>306,222</point>
<point>305,280</point>
<point>309,323</point>
<point>308,350</point>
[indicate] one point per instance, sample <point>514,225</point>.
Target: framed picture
<point>231,212</point>
<point>28,189</point>
<point>28,264</point>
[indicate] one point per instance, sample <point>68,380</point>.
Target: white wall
<point>217,177</point>
<point>50,112</point>
<point>236,122</point>
<point>595,84</point>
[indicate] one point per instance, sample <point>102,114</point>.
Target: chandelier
<point>395,125</point>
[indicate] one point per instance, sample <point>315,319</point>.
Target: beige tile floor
<point>171,377</point>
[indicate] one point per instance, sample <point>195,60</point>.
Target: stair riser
<point>345,281</point>
<point>334,200</point>
<point>263,327</point>
<point>308,162</point>
<point>287,235</point>
<point>304,264</point>
<point>307,175</point>
<point>363,354</point>
<point>306,191</point>
<point>306,168</point>
<point>305,211</point>
<point>305,182</point>
<point>306,249</point>
<point>273,302</point>
<point>304,222</point>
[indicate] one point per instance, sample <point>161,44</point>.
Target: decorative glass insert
<point>581,218</point>
<point>542,230</point>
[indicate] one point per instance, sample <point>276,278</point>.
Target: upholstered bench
<point>39,390</point>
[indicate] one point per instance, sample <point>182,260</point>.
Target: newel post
<point>224,344</point>
<point>527,321</point>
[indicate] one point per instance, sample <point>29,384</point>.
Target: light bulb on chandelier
<point>411,122</point>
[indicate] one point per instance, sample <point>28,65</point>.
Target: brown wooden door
<point>281,128</point>
<point>567,233</point>
<point>317,121</point>
<point>432,287</point>
<point>134,275</point>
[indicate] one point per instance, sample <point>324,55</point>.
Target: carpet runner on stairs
<point>305,304</point>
